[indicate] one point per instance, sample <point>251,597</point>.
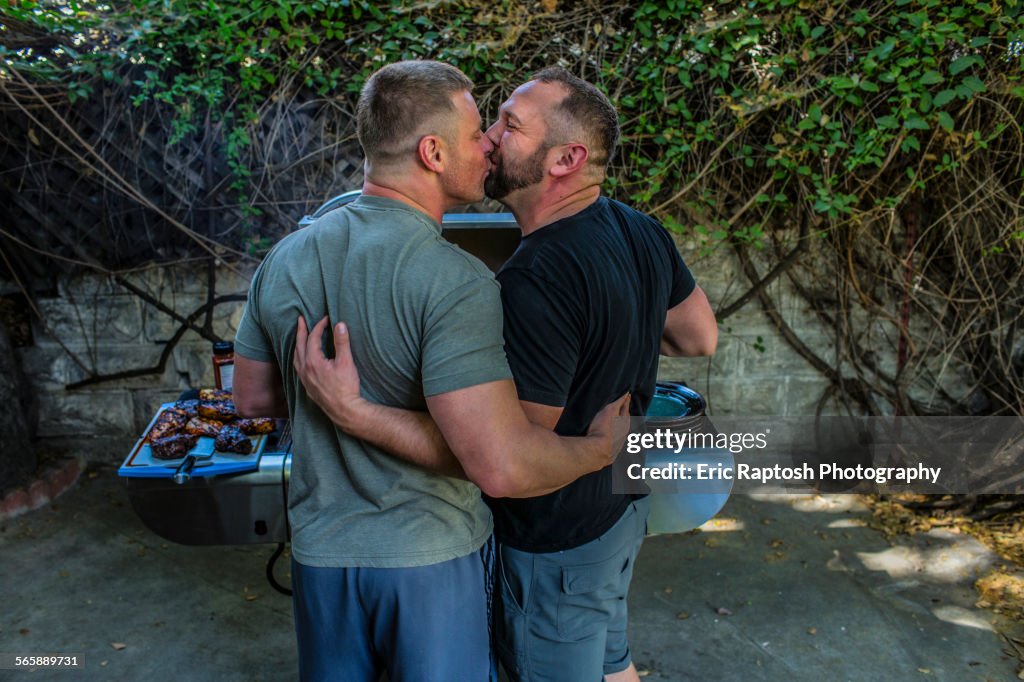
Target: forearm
<point>507,455</point>
<point>542,462</point>
<point>532,460</point>
<point>410,436</point>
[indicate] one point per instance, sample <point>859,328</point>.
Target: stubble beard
<point>508,177</point>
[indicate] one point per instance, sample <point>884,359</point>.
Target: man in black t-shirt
<point>594,293</point>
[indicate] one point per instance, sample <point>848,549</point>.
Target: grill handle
<point>184,471</point>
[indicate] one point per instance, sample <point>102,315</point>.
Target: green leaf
<point>931,78</point>
<point>946,121</point>
<point>843,83</point>
<point>883,51</point>
<point>974,84</point>
<point>924,103</point>
<point>806,124</point>
<point>944,98</point>
<point>961,63</point>
<point>887,122</point>
<point>915,122</point>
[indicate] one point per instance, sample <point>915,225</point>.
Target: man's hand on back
<point>331,384</point>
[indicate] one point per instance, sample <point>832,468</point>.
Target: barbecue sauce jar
<point>224,364</point>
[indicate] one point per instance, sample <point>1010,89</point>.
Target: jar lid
<point>223,347</point>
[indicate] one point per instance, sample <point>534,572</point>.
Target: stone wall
<point>753,371</point>
<point>93,325</point>
<point>109,329</point>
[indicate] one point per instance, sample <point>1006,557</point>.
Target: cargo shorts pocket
<point>588,596</point>
<point>512,595</point>
<point>514,582</point>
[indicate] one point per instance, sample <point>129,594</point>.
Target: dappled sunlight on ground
<point>961,559</point>
<point>958,615</point>
<point>848,523</point>
<point>831,503</point>
<point>722,525</point>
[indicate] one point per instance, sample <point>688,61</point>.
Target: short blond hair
<point>403,101</point>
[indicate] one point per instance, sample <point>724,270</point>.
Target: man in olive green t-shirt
<point>385,568</point>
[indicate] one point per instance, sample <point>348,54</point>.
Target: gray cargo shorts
<point>561,616</point>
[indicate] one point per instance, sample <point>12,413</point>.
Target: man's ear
<point>431,152</point>
<point>571,158</point>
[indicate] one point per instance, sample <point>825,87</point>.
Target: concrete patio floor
<point>776,588</point>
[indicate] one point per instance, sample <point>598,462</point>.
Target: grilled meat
<point>214,394</point>
<point>203,427</point>
<point>231,439</point>
<point>256,426</point>
<point>182,412</point>
<point>218,410</point>
<point>173,447</point>
<point>170,422</point>
<point>188,407</point>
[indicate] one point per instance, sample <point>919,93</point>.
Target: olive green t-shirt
<point>424,318</point>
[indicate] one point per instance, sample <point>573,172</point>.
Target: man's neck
<point>549,204</point>
<point>409,193</point>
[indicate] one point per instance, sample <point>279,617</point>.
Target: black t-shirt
<point>585,300</point>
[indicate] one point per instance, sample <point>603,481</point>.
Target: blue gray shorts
<point>561,616</point>
<point>422,624</point>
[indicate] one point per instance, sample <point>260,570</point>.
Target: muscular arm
<point>506,454</point>
<point>410,435</point>
<point>690,327</point>
<point>480,431</point>
<point>542,415</point>
<point>257,389</point>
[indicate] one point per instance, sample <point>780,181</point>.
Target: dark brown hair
<point>586,109</point>
<point>404,101</point>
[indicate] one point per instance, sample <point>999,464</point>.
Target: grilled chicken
<point>256,426</point>
<point>218,410</point>
<point>170,422</point>
<point>215,394</point>
<point>179,426</point>
<point>186,407</point>
<point>173,447</point>
<point>231,439</point>
<point>203,427</point>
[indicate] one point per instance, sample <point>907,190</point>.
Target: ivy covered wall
<point>866,155</point>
